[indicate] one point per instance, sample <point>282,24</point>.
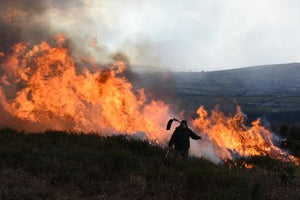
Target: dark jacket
<point>181,138</point>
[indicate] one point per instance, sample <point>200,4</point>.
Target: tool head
<point>170,123</point>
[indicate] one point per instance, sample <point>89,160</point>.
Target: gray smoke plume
<point>23,21</point>
<point>204,148</point>
<point>90,38</point>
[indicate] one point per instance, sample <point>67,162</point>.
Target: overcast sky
<point>191,34</point>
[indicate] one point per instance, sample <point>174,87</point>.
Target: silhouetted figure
<point>181,139</point>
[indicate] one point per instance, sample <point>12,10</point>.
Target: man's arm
<point>193,135</point>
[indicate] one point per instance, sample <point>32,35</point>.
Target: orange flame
<point>42,88</point>
<point>60,39</point>
<point>248,166</point>
<point>1,54</point>
<point>9,15</point>
<point>55,95</point>
<point>232,137</point>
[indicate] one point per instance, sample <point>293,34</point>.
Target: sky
<point>190,35</point>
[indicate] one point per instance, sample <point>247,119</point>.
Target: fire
<point>50,92</point>
<point>248,166</point>
<point>9,15</point>
<point>42,88</point>
<point>60,39</point>
<point>1,54</point>
<point>232,137</point>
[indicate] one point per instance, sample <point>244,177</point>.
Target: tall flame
<point>42,88</point>
<point>51,93</point>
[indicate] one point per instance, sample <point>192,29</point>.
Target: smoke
<point>95,35</point>
<point>204,148</point>
<point>92,37</point>
<point>23,21</point>
<point>90,27</point>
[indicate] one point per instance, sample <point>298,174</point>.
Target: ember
<point>9,15</point>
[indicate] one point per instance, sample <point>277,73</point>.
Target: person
<point>181,139</point>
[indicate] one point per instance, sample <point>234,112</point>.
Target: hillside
<point>57,165</point>
<point>281,79</point>
<point>271,91</point>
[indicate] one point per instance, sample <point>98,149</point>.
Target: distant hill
<point>282,79</point>
<point>272,91</point>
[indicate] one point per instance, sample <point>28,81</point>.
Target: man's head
<point>183,124</point>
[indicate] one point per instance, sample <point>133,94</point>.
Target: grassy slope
<point>56,165</point>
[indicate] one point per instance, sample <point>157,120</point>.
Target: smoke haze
<point>169,35</point>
